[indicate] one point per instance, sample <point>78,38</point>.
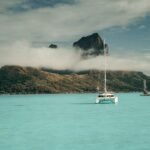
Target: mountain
<point>91,45</point>
<point>53,46</point>
<point>25,80</point>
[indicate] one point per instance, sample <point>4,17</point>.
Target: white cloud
<point>22,53</point>
<point>126,62</point>
<point>65,22</point>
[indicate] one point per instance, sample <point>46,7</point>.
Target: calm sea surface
<point>74,122</point>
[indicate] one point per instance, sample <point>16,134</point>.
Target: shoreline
<point>21,94</point>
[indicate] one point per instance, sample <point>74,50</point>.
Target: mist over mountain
<point>66,71</point>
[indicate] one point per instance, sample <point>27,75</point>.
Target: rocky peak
<point>91,45</point>
<point>53,46</point>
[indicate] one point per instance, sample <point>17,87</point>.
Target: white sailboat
<point>106,97</point>
<point>145,92</point>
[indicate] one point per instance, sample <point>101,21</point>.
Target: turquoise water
<point>74,122</point>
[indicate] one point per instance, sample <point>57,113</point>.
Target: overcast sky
<point>124,24</point>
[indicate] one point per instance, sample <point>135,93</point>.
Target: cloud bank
<point>22,53</point>
<point>67,22</point>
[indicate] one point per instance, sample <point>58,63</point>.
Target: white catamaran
<point>106,97</point>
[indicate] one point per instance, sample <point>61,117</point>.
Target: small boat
<point>145,91</point>
<point>106,97</point>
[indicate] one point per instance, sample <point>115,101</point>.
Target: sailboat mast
<point>105,75</point>
<point>144,82</point>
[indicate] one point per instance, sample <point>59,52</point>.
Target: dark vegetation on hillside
<point>27,80</point>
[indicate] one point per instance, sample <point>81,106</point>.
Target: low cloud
<point>22,53</point>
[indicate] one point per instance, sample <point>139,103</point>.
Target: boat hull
<point>106,100</point>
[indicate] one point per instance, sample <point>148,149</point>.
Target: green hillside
<point>27,80</point>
